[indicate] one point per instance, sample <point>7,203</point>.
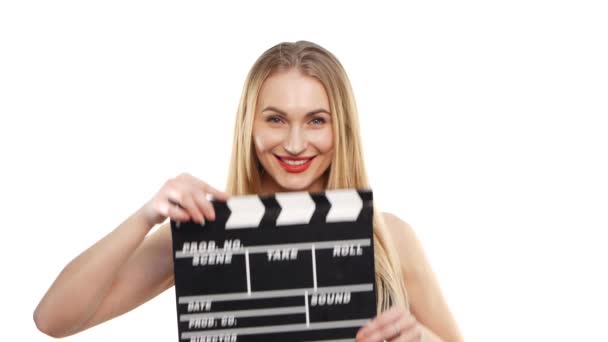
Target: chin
<point>291,187</point>
<point>295,185</point>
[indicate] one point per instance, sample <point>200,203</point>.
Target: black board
<point>295,266</point>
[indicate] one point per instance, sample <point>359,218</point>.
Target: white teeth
<point>294,162</point>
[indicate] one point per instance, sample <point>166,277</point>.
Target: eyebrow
<point>313,112</point>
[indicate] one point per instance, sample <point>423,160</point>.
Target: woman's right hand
<point>183,198</point>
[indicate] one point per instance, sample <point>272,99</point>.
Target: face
<point>292,133</point>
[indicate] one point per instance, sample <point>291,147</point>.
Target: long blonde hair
<point>347,169</point>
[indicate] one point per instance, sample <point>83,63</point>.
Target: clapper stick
<point>294,266</point>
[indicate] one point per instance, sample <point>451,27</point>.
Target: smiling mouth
<point>295,165</point>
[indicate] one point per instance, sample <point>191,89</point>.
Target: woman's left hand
<point>394,325</point>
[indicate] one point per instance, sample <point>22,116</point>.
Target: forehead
<point>292,91</point>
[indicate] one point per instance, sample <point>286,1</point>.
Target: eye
<point>274,119</point>
<point>319,121</point>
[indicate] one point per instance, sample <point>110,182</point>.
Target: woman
<point>296,130</point>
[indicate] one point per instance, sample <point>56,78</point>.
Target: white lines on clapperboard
<point>306,305</point>
<point>353,323</point>
<point>264,248</point>
<point>269,312</point>
<point>246,313</point>
<point>314,267</point>
<point>275,293</point>
<point>248,272</point>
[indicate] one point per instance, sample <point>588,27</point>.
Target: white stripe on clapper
<point>245,212</point>
<point>306,303</point>
<point>296,208</point>
<point>300,246</point>
<point>314,267</point>
<point>245,313</point>
<point>350,323</point>
<point>248,274</point>
<point>346,205</point>
<point>365,287</point>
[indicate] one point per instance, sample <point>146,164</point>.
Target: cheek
<point>265,140</point>
<point>323,140</point>
<point>259,143</point>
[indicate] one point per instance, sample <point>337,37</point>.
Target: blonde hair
<point>347,169</point>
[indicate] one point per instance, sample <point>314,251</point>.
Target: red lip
<point>295,168</point>
<point>294,158</point>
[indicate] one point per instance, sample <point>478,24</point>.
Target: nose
<point>295,142</point>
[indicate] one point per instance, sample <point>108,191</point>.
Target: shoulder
<point>406,243</point>
<point>400,231</point>
<point>395,224</point>
<point>424,292</point>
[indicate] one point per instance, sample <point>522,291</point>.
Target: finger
<point>407,323</point>
<point>377,324</point>
<point>366,330</point>
<point>180,195</point>
<point>413,334</point>
<point>386,325</point>
<point>220,195</point>
<point>391,332</point>
<point>173,194</point>
<point>404,329</point>
<point>205,206</point>
<point>196,199</point>
<point>192,208</point>
<point>177,213</point>
<point>217,194</point>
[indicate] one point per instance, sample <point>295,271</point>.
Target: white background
<point>483,125</point>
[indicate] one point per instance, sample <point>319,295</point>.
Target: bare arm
<point>426,299</point>
<point>125,268</point>
<point>111,277</point>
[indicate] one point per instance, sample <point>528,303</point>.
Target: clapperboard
<point>294,266</point>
